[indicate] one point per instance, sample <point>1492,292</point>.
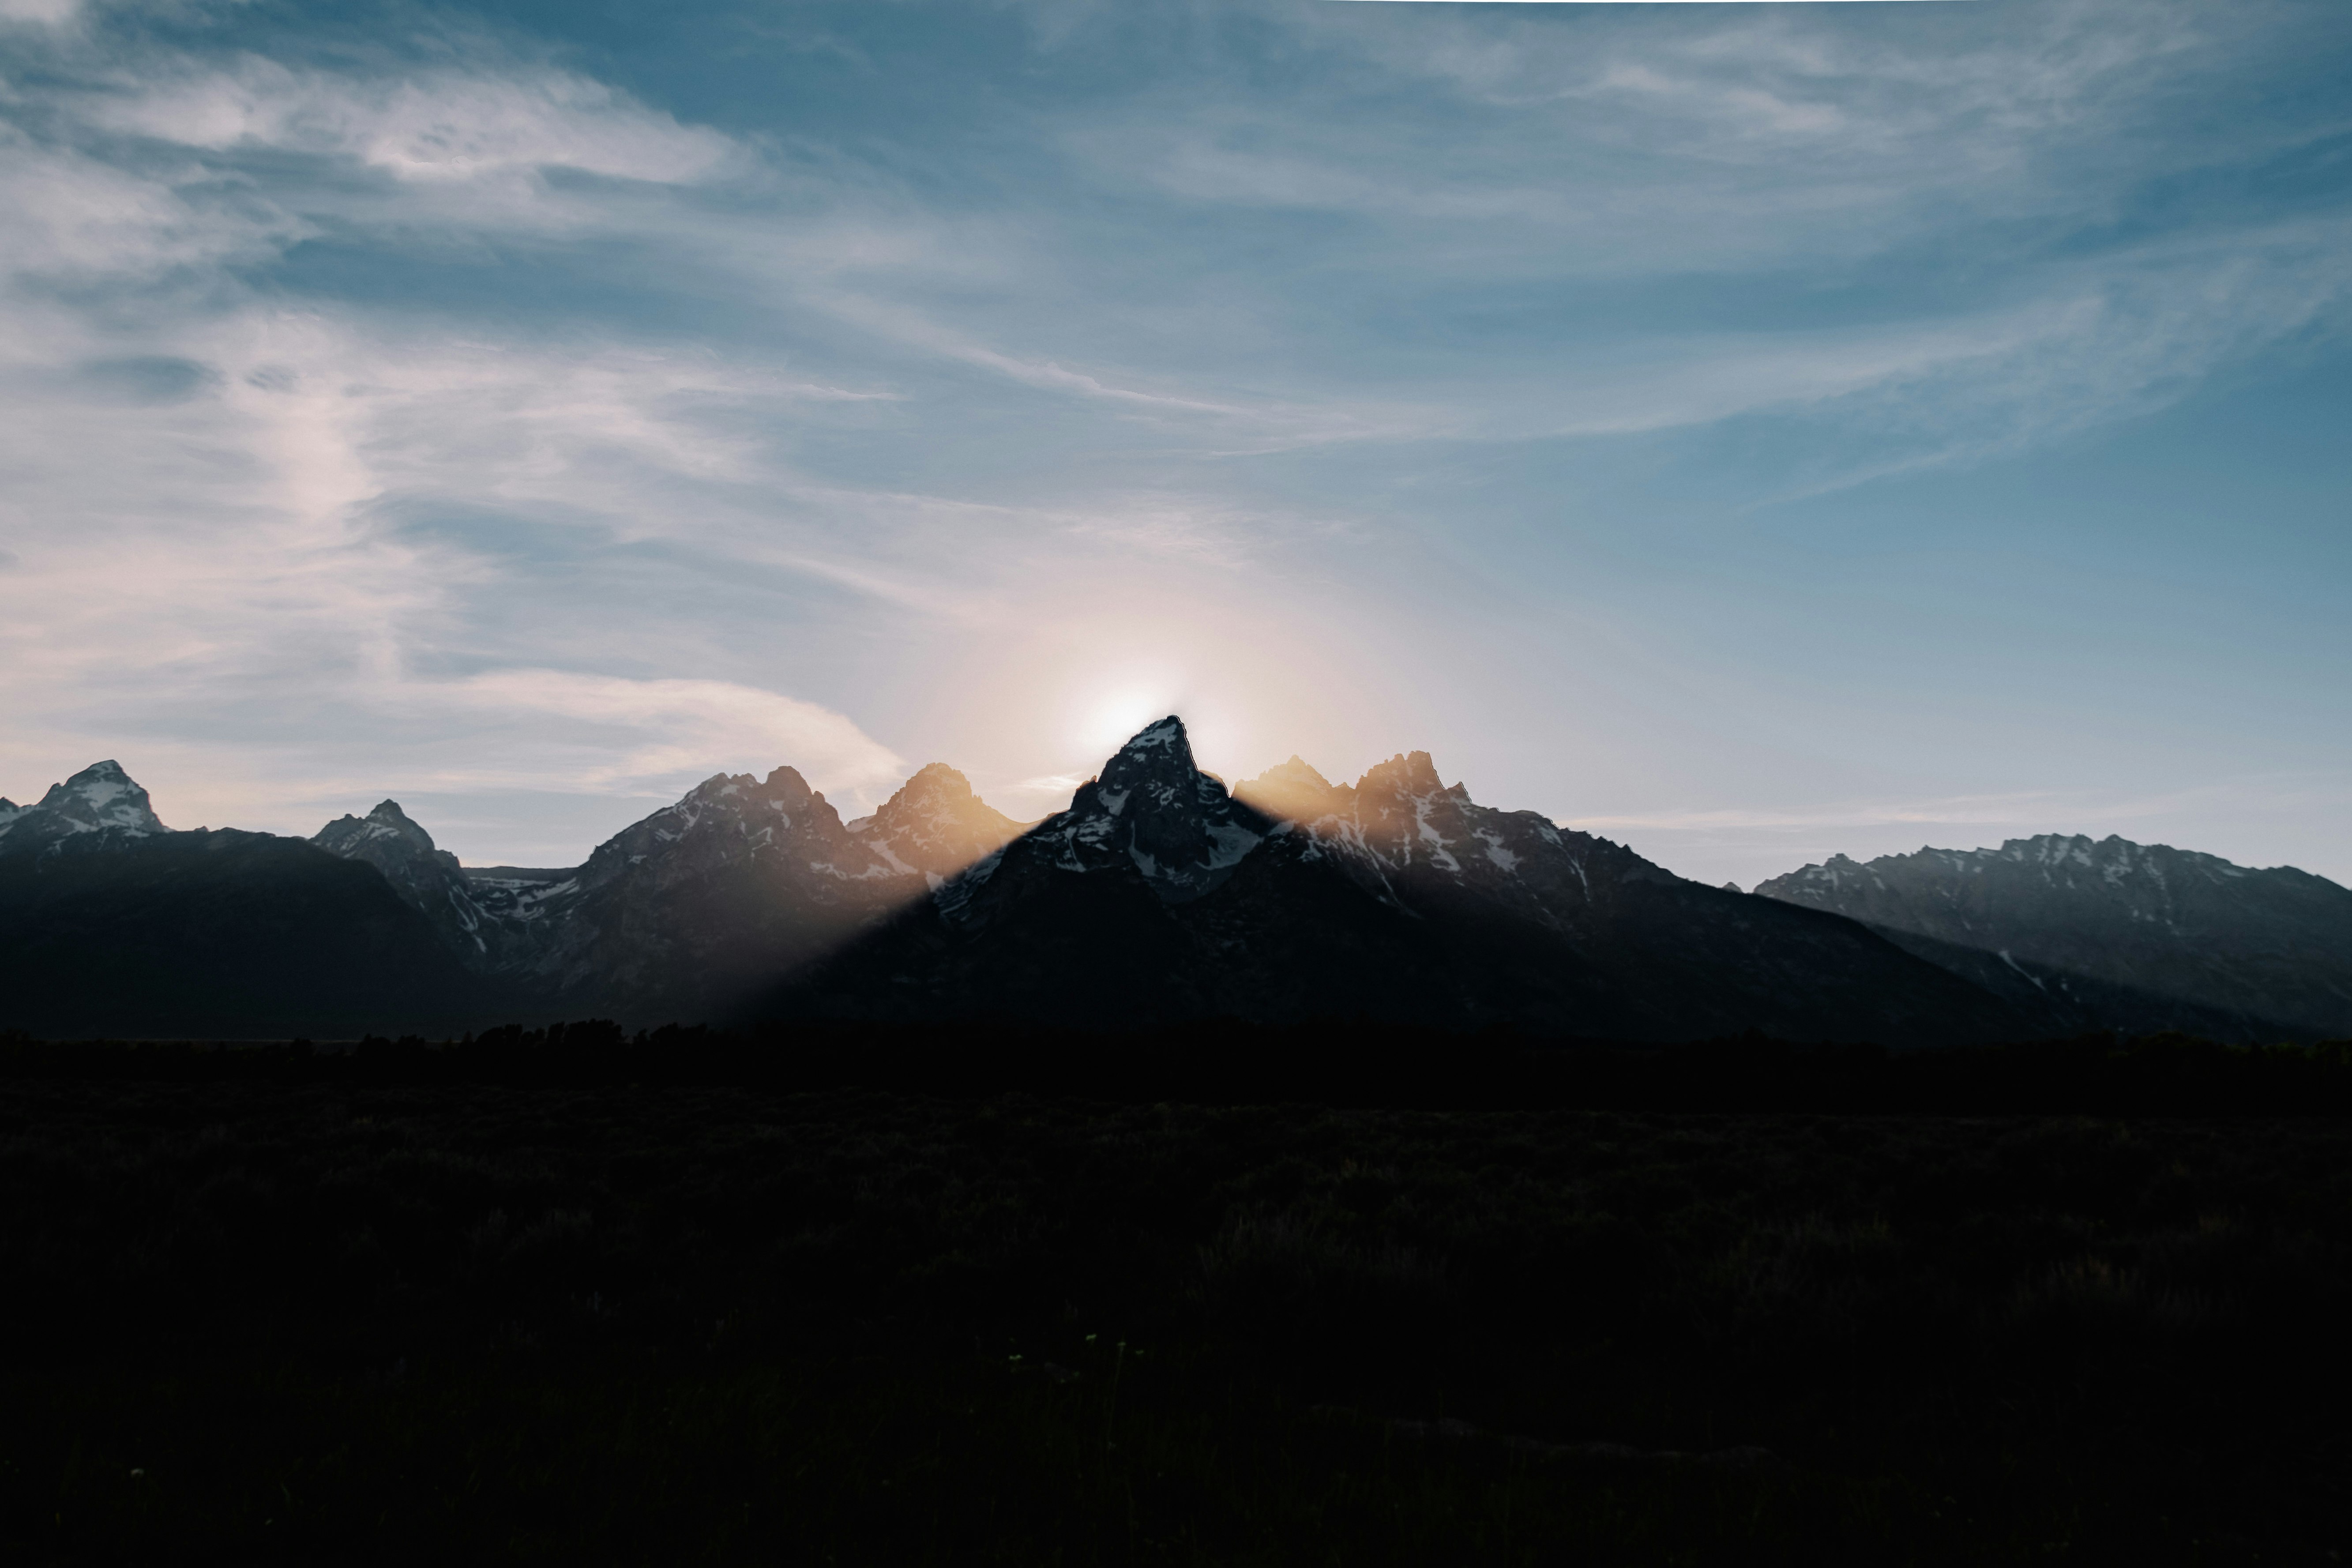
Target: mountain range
<point>1159,895</point>
<point>2140,937</point>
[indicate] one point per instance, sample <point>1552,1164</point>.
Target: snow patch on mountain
<point>101,798</point>
<point>1152,809</point>
<point>427,879</point>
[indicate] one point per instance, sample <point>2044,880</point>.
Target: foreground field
<point>344,1321</point>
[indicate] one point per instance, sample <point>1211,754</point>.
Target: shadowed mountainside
<point>1158,896</point>
<point>692,910</point>
<point>218,933</point>
<point>2150,936</point>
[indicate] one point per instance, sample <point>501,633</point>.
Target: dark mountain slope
<point>697,909</point>
<point>115,923</point>
<point>2271,950</point>
<point>238,935</point>
<point>495,928</point>
<point>1280,940</point>
<point>686,912</point>
<point>1157,895</point>
<point>1549,924</point>
<point>1141,902</point>
<point>2070,1003</point>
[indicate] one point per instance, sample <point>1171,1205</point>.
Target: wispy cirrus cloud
<point>442,125</point>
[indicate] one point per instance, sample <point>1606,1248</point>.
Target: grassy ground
<point>330,1321</point>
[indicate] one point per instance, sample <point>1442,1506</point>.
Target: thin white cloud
<point>674,728</point>
<point>73,217</point>
<point>44,13</point>
<point>439,126</point>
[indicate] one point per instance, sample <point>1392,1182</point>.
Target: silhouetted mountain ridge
<point>1157,895</point>
<point>1160,896</point>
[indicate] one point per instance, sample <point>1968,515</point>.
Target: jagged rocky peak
<point>1154,774</point>
<point>1832,873</point>
<point>385,833</point>
<point>102,796</point>
<point>1294,792</point>
<point>1406,776</point>
<point>1153,808</point>
<point>428,878</point>
<point>1400,805</point>
<point>742,802</point>
<point>2114,857</point>
<point>1408,814</point>
<point>935,825</point>
<point>731,817</point>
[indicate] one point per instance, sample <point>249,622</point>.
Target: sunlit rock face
<point>101,799</point>
<point>2266,948</point>
<point>1294,792</point>
<point>935,826</point>
<point>1411,838</point>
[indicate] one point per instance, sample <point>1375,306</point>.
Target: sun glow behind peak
<point>1108,721</point>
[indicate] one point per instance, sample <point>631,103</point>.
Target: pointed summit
<point>1293,792</point>
<point>1408,775</point>
<point>99,799</point>
<point>1153,808</point>
<point>102,795</point>
<point>935,825</point>
<point>427,879</point>
<point>1158,754</point>
<point>387,828</point>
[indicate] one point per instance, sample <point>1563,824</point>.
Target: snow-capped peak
<point>102,796</point>
<point>1166,735</point>
<point>388,828</point>
<point>1153,809</point>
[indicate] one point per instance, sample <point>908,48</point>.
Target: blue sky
<point>1751,432</point>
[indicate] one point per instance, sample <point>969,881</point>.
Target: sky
<point>1749,432</point>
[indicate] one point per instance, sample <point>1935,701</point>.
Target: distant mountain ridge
<point>2157,932</point>
<point>1158,895</point>
<point>688,912</point>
